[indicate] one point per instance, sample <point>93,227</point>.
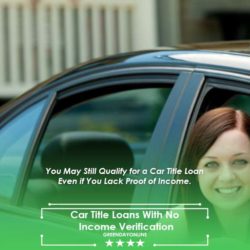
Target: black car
<point>73,148</point>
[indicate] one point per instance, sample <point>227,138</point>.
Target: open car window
<point>216,154</point>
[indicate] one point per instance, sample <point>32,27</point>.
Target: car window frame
<point>165,155</point>
<point>227,82</point>
<point>88,91</point>
<point>8,116</point>
<point>22,176</point>
<point>212,80</point>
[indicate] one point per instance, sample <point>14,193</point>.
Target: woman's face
<point>225,181</point>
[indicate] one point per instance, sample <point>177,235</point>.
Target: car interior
<point>98,134</point>
<point>79,150</point>
<point>214,98</point>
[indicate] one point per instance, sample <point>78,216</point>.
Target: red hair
<point>205,132</point>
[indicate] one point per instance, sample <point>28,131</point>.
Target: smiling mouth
<point>230,190</point>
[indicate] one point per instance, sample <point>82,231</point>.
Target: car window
<point>239,101</point>
<point>15,137</point>
<point>218,97</point>
<point>106,133</point>
<point>223,95</point>
<point>209,150</point>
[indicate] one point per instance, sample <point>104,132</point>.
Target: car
<point>91,143</point>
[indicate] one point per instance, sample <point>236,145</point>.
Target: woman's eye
<point>212,164</point>
<point>240,162</point>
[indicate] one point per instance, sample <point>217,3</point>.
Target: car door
<point>140,95</point>
<point>120,106</point>
<point>204,92</point>
<point>220,89</point>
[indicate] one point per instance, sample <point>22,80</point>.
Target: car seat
<point>80,150</point>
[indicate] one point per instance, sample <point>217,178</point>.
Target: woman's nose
<point>226,174</point>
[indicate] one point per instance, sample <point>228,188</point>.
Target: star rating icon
<point>130,243</point>
<point>120,243</point>
<point>109,243</point>
<point>140,243</point>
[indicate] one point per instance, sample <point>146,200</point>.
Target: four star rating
<point>121,243</point>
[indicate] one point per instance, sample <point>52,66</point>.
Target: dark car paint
<point>131,64</point>
<point>169,134</point>
<point>127,60</point>
<point>61,98</point>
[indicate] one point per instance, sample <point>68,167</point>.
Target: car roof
<point>212,59</point>
<point>187,59</point>
<point>193,58</point>
<point>202,59</point>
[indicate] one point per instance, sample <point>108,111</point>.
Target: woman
<point>219,145</point>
